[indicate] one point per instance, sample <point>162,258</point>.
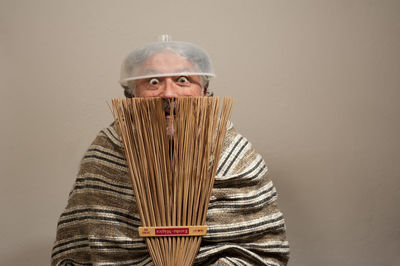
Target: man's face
<point>171,86</point>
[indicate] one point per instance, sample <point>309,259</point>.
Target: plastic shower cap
<point>196,60</point>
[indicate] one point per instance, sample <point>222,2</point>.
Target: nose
<point>169,89</point>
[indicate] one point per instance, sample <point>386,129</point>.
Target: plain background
<point>317,89</point>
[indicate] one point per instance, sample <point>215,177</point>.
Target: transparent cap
<point>165,58</point>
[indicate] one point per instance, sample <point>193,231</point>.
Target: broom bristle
<point>173,176</point>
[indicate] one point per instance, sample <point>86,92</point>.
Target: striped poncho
<point>100,223</point>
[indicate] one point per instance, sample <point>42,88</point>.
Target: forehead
<point>166,62</point>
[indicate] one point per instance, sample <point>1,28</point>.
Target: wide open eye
<point>183,80</point>
<point>154,81</point>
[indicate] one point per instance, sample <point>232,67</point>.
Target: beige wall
<point>317,88</point>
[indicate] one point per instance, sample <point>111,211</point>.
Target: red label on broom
<point>172,231</point>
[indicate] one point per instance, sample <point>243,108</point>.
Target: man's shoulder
<point>239,161</point>
<point>109,137</point>
<point>235,141</point>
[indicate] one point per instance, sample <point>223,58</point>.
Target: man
<point>99,225</point>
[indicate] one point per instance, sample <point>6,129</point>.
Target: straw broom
<point>173,176</point>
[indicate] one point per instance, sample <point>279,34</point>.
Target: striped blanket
<point>100,223</point>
